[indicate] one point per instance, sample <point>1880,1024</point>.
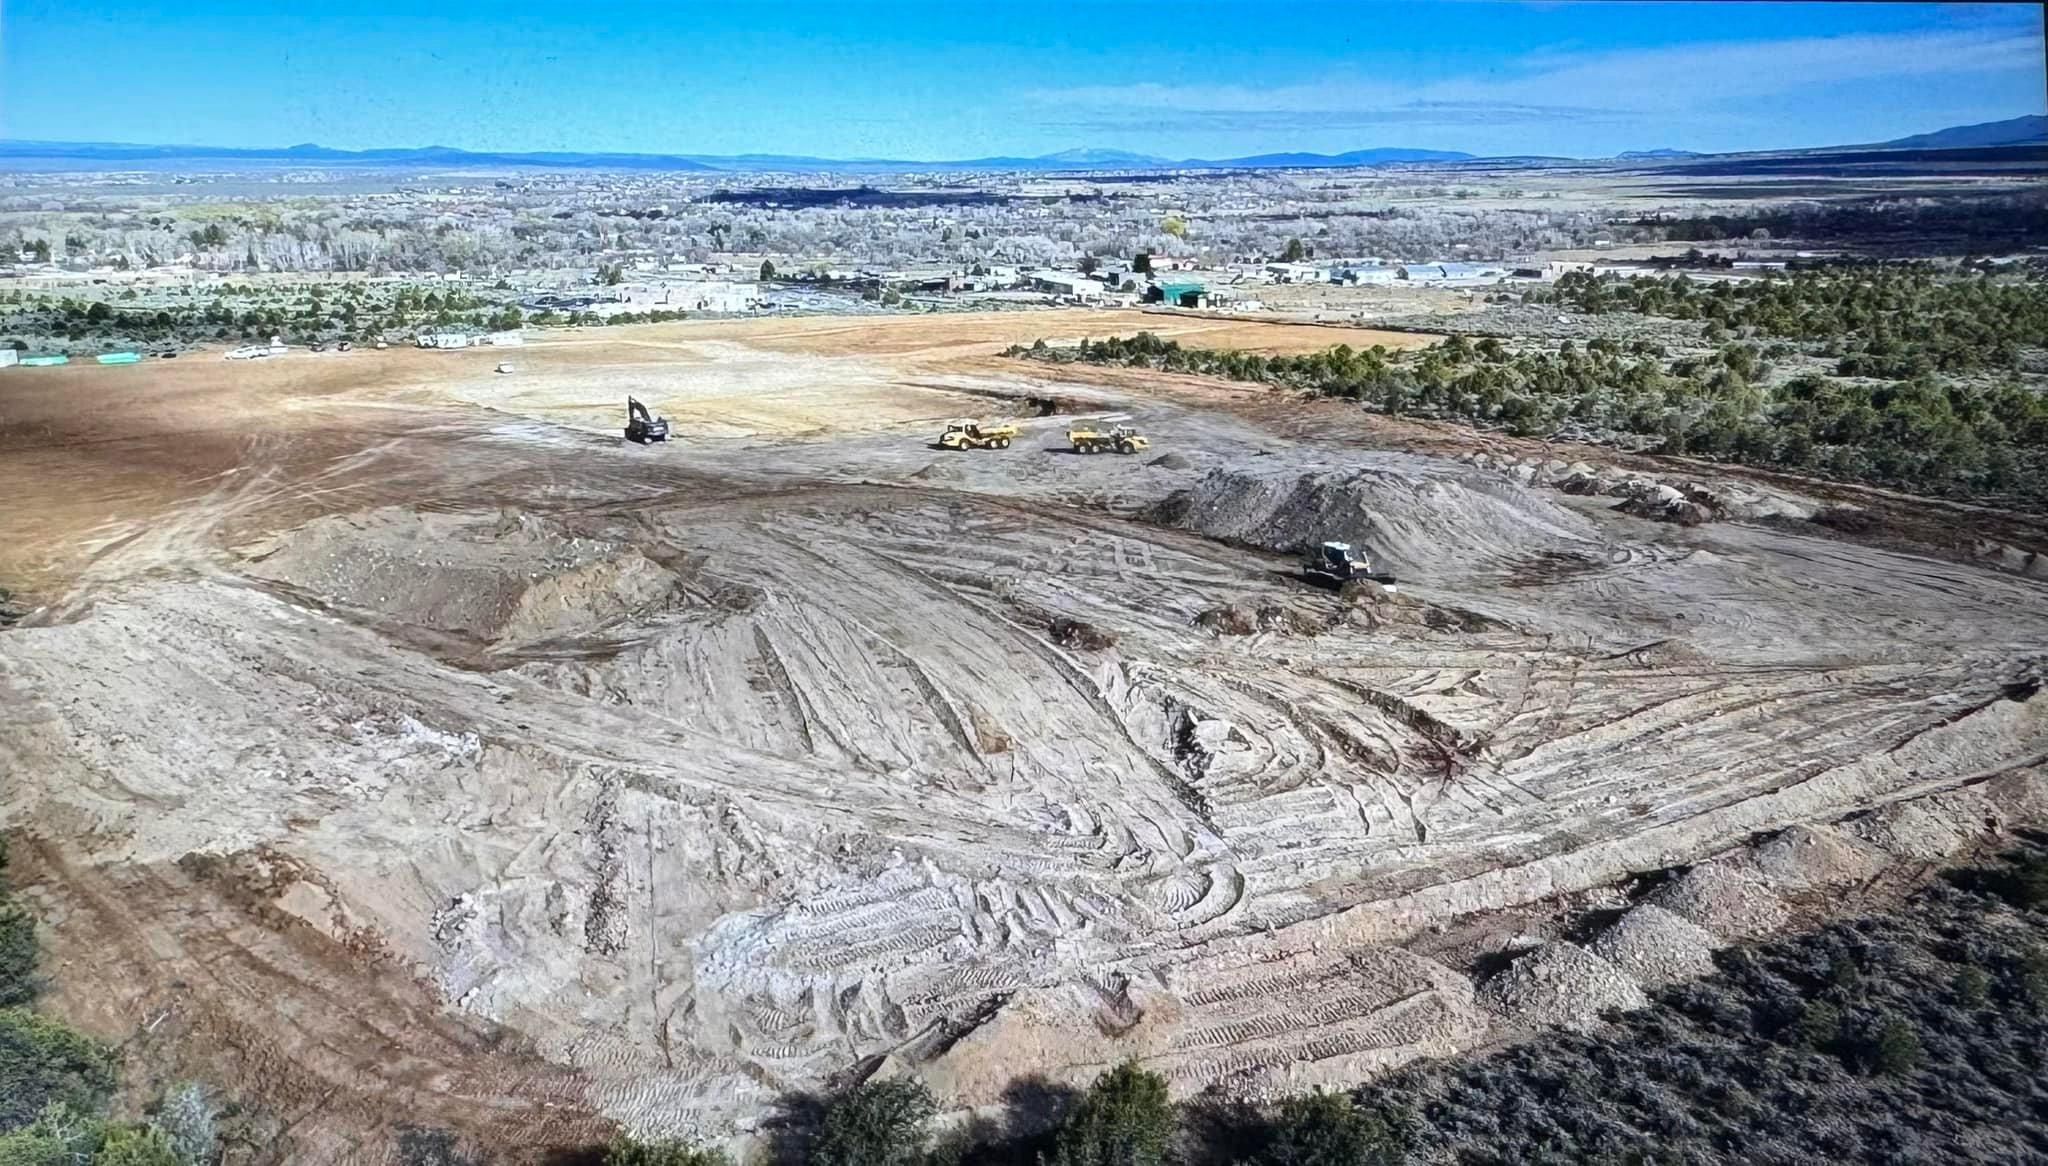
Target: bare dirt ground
<point>392,741</point>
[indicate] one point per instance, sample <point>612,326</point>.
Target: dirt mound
<point>503,579</point>
<point>1172,461</point>
<point>1725,897</point>
<point>1560,985</point>
<point>1416,515</point>
<point>1656,947</point>
<point>1927,829</point>
<point>1812,858</point>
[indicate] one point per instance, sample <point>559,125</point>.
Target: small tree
<point>1142,263</point>
<point>1327,1129</point>
<point>879,1123</point>
<point>1295,253</point>
<point>42,1062</point>
<point>1125,1119</point>
<point>767,269</point>
<point>190,1124</point>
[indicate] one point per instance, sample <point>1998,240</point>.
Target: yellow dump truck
<point>1117,438</point>
<point>970,435</point>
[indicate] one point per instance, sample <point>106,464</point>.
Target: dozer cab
<point>1117,438</point>
<point>1334,564</point>
<point>970,435</point>
<point>643,427</point>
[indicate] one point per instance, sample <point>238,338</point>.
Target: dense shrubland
<point>1891,321</point>
<point>56,1085</point>
<point>1966,439</point>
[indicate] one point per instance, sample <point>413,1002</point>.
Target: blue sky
<point>954,80</point>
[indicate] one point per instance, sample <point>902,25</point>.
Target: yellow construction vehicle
<point>1120,438</point>
<point>971,435</point>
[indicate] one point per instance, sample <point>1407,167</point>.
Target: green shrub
<point>59,1136</point>
<point>879,1123</point>
<point>136,1146</point>
<point>1328,1129</point>
<point>628,1152</point>
<point>42,1061</point>
<point>17,955</point>
<point>1125,1119</point>
<point>1972,986</point>
<point>1890,1048</point>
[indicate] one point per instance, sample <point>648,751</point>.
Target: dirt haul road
<point>395,743</point>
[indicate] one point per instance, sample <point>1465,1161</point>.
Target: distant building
<point>1452,272</point>
<point>505,339</point>
<point>443,340</point>
<point>1294,272</point>
<point>1362,276</point>
<point>1181,294</point>
<point>1067,283</point>
<point>8,357</point>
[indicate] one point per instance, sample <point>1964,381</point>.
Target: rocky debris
<point>1662,503</point>
<point>1560,985</point>
<point>1231,619</point>
<point>1725,896</point>
<point>1081,636</point>
<point>1238,619</point>
<point>1172,461</point>
<point>1685,501</point>
<point>1656,946</point>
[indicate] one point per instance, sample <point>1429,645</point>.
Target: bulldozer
<point>1334,564</point>
<point>643,427</point>
<point>972,435</point>
<point>1118,438</point>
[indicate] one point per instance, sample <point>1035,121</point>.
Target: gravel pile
<point>1656,947</point>
<point>1560,985</point>
<point>1812,858</point>
<point>1732,903</point>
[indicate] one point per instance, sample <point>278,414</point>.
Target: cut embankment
<point>503,579</point>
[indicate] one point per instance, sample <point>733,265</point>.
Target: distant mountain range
<point>13,154</point>
<point>2013,131</point>
<point>28,155</point>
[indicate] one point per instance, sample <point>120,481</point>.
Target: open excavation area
<point>386,733</point>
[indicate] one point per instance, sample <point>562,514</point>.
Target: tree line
<point>1954,438</point>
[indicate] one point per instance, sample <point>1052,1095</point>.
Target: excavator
<point>971,435</point>
<point>1333,565</point>
<point>642,426</point>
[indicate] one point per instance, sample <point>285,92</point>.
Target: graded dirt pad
<point>611,784</point>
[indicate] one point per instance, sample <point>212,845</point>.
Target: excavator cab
<point>643,427</point>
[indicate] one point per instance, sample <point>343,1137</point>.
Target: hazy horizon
<point>918,81</point>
